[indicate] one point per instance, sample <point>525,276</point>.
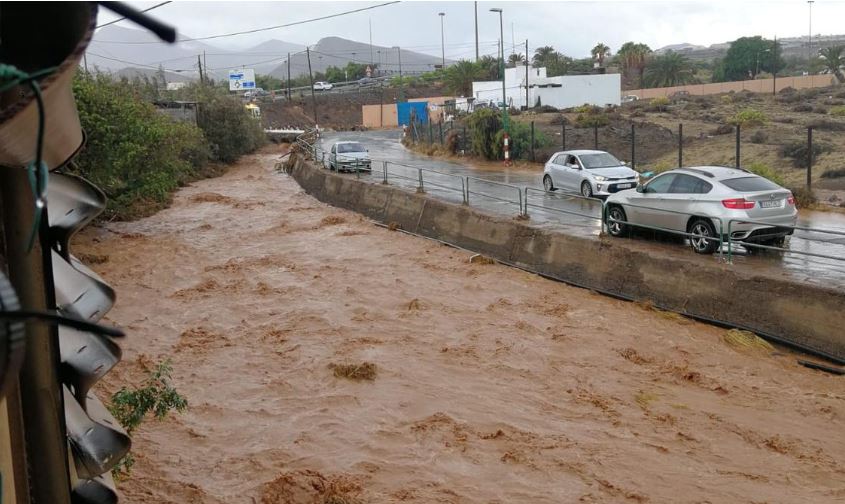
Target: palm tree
<point>543,56</point>
<point>669,69</point>
<point>834,60</point>
<point>515,59</point>
<point>633,57</point>
<point>599,52</point>
<point>459,77</point>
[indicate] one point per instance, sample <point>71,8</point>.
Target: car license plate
<point>624,186</point>
<point>770,204</point>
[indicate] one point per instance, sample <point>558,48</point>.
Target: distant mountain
<point>336,51</point>
<point>116,48</point>
<point>679,48</point>
<point>131,73</point>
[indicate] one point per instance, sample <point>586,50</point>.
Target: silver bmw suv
<point>706,201</point>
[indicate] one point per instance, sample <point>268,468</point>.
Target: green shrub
<point>231,131</point>
<point>482,127</point>
<point>834,173</point>
<point>804,198</point>
<point>134,154</point>
<point>749,117</point>
<point>838,111</point>
<point>591,120</point>
<point>798,152</point>
<point>520,141</point>
<point>766,171</point>
<point>659,104</point>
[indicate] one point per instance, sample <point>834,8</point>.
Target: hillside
<point>336,51</point>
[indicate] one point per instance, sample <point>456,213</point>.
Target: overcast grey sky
<point>571,27</point>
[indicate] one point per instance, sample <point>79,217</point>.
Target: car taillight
<point>790,200</point>
<point>738,204</point>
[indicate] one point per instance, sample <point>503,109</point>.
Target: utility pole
<point>502,69</point>
<point>476,32</point>
<point>205,65</point>
<point>442,42</point>
<point>527,104</point>
<point>371,41</point>
<point>311,81</point>
<point>288,76</point>
<point>199,64</point>
<point>401,85</point>
<point>775,66</point>
<point>810,37</point>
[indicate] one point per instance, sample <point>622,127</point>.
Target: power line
<point>295,23</point>
<point>121,19</point>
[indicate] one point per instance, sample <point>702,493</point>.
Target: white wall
<point>577,90</point>
<point>514,86</point>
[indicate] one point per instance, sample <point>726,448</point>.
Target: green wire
<point>37,171</point>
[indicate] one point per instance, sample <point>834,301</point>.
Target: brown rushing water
<point>493,385</point>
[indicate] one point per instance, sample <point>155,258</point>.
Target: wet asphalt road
<point>583,218</point>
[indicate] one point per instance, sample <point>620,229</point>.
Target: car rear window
<point>599,160</point>
<point>750,184</point>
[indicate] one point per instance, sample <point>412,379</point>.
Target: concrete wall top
<point>757,86</point>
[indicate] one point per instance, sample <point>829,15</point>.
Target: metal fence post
<point>420,188</point>
<point>384,167</point>
<point>563,133</point>
<point>596,136</point>
<point>680,145</point>
<point>737,145</point>
<point>532,141</point>
<point>467,189</point>
<point>430,133</point>
<point>809,157</point>
<point>464,140</point>
<point>633,146</point>
<point>440,124</point>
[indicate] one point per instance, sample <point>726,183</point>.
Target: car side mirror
<point>640,188</point>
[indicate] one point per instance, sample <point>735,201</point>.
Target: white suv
<point>590,172</point>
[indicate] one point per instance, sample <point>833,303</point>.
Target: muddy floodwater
<point>473,382</point>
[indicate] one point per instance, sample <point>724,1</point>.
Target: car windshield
<point>350,147</point>
<point>599,160</point>
<point>750,184</point>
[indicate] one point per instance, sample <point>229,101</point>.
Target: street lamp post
<point>502,70</point>
<point>442,42</point>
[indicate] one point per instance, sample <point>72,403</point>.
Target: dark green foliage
<point>482,127</point>
<point>834,173</point>
<point>798,152</point>
<point>156,395</point>
<point>133,153</point>
<point>229,129</point>
<point>669,69</point>
<point>749,56</point>
<point>520,141</point>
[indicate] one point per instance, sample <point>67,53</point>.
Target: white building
<point>561,92</point>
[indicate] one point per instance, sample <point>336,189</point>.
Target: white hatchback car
<point>590,172</point>
<point>322,86</point>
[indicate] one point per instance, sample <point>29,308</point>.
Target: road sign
<point>242,79</point>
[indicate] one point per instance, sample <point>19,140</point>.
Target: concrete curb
<point>794,313</point>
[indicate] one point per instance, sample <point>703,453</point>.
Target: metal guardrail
<point>309,143</point>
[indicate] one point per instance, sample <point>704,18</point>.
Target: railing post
<point>532,142</point>
<point>384,167</point>
<point>680,145</point>
<point>633,146</point>
<point>467,189</point>
<point>809,157</point>
<point>737,145</point>
<point>420,188</point>
<point>464,193</point>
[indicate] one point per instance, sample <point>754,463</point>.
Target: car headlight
<point>599,178</point>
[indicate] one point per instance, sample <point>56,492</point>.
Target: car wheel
<point>548,185</point>
<point>706,242</point>
<point>615,217</point>
<point>586,189</point>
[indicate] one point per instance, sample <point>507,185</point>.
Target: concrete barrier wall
<point>796,313</point>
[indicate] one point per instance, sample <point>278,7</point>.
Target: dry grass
<point>356,372</point>
<point>332,220</point>
<point>91,259</point>
<point>393,226</point>
<point>648,305</point>
<point>746,340</point>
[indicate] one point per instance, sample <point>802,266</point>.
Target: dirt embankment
<point>327,360</point>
